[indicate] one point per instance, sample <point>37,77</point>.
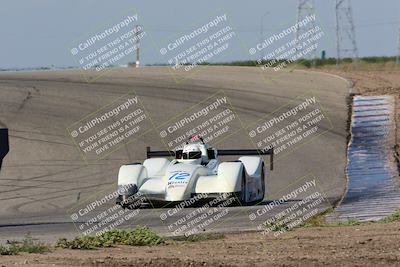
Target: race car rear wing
<point>4,147</point>
<point>221,152</point>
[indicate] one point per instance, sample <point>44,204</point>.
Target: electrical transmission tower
<point>306,10</point>
<point>346,45</point>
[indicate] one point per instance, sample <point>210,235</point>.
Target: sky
<point>39,33</point>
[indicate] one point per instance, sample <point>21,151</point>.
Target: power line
<point>358,24</point>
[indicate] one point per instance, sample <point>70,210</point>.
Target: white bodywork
<point>180,179</point>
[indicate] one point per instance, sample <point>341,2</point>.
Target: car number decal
<point>178,176</point>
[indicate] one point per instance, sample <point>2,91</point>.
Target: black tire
<point>263,182</point>
<point>242,196</point>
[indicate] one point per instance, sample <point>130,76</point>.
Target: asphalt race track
<point>44,176</point>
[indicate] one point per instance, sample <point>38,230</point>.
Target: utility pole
<point>306,8</point>
<point>346,44</point>
<point>262,33</point>
<point>137,35</point>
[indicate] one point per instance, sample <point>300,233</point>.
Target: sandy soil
<point>366,245</point>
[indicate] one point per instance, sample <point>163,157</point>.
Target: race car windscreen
<point>192,155</point>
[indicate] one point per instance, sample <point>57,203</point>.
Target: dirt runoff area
<point>362,245</point>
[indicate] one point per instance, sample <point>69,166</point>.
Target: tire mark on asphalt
<point>41,200</point>
<point>52,181</point>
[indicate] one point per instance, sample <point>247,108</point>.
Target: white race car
<point>195,170</point>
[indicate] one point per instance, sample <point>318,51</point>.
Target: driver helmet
<point>192,154</point>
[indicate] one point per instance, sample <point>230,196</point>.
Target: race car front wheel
<point>242,196</point>
<point>262,182</point>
